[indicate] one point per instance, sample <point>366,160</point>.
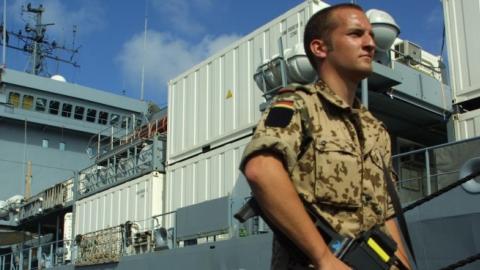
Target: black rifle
<point>372,250</point>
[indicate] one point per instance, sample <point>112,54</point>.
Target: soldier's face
<point>351,44</point>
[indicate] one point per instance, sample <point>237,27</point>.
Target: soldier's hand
<point>330,262</point>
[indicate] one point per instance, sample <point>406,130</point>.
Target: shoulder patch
<point>280,114</point>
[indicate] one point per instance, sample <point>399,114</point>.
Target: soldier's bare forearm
<point>281,204</point>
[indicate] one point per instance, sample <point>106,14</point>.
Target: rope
<point>460,181</point>
<point>440,192</point>
<point>463,262</point>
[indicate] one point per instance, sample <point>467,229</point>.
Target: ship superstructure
<point>164,197</point>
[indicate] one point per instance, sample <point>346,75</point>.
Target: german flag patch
<point>280,114</point>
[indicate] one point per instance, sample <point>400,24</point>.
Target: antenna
<point>4,33</point>
<point>144,49</point>
<point>36,43</point>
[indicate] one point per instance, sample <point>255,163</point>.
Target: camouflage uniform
<point>340,170</point>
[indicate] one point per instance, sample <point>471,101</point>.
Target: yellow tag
<point>379,250</point>
<point>229,94</point>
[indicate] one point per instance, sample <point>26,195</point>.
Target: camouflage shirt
<point>334,154</point>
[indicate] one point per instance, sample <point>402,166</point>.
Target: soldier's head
<point>342,37</point>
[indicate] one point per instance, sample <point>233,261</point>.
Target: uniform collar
<point>327,93</point>
<point>369,123</point>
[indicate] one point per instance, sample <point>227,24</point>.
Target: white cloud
<point>165,57</point>
<point>435,18</point>
<point>179,15</point>
<point>88,18</point>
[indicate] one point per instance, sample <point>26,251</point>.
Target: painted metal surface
<point>206,177</point>
<point>467,125</point>
<point>252,253</point>
<point>137,200</point>
<point>76,91</point>
<point>463,43</point>
<point>218,100</point>
<point>50,164</point>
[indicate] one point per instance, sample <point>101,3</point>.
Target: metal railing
<point>42,256</point>
<point>128,163</point>
<point>57,196</point>
<point>111,244</point>
<point>424,171</point>
<point>113,137</point>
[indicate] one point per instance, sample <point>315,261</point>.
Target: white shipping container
<point>218,100</point>
<point>467,125</point>
<point>137,200</point>
<point>205,177</point>
<point>463,43</point>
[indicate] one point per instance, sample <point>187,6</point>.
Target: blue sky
<point>180,34</point>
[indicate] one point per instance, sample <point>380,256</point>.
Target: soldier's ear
<point>319,48</point>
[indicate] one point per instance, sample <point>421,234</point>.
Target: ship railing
<point>422,172</point>
<point>148,235</point>
<point>124,165</point>
<point>166,231</point>
<point>42,256</point>
<point>113,137</point>
<point>58,195</point>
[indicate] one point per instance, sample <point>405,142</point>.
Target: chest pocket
<point>338,181</point>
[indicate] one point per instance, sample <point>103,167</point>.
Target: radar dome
<point>58,77</point>
<point>384,27</point>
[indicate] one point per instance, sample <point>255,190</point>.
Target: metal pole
<point>111,139</point>
<point>52,256</point>
<point>57,232</point>
<point>4,34</point>
<point>20,261</point>
<point>427,171</point>
<point>283,68</point>
<point>144,55</point>
<point>29,259</point>
<point>39,258</point>
<point>98,144</point>
<point>365,92</point>
<point>28,181</point>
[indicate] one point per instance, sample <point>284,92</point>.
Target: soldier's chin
<point>366,72</point>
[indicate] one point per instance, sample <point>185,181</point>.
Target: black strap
<point>398,210</point>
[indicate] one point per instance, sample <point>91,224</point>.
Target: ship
<point>142,191</point>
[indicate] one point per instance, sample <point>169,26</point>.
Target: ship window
<point>102,118</point>
<point>114,118</point>
<point>79,110</point>
<point>66,110</point>
<point>61,146</point>
<point>45,143</point>
<point>27,103</point>
<point>40,104</point>
<point>14,99</point>
<point>54,106</point>
<point>91,115</point>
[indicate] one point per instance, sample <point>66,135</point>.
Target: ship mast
<point>36,43</point>
<point>38,35</point>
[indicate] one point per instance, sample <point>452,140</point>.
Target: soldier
<point>318,144</point>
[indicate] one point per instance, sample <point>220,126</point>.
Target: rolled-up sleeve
<point>280,136</point>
